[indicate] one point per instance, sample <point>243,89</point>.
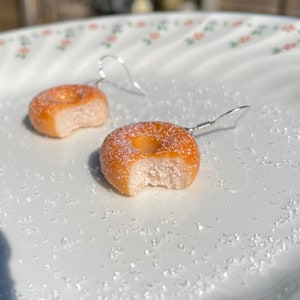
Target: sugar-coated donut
<point>58,111</point>
<point>149,153</point>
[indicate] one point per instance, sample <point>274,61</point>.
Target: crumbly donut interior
<point>167,172</point>
<point>90,114</point>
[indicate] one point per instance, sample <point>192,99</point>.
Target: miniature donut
<point>58,111</point>
<point>149,153</point>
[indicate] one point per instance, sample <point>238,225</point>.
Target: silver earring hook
<point>121,61</point>
<point>198,129</point>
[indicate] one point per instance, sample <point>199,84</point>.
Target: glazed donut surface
<point>58,111</point>
<point>149,153</point>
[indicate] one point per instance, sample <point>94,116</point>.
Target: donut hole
<point>69,96</point>
<point>146,144</point>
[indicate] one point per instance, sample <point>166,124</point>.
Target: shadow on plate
<point>94,169</point>
<point>26,122</point>
<point>7,290</point>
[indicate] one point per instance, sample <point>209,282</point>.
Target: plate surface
<point>234,233</point>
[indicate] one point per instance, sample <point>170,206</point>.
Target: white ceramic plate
<point>234,233</point>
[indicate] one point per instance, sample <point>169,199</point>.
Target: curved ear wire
<point>198,129</point>
<point>195,131</point>
<point>121,61</point>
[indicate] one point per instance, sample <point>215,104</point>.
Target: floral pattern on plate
<point>196,28</point>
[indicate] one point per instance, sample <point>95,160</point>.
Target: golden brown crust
<point>47,104</point>
<point>131,143</point>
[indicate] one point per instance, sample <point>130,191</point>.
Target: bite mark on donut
<point>84,115</point>
<point>167,172</point>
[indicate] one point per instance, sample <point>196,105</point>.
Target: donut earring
<point>153,153</point>
<point>60,110</point>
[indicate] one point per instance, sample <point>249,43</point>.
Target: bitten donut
<point>58,111</point>
<point>149,153</point>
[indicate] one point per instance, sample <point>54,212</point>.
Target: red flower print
<point>2,42</point>
<point>65,42</point>
<point>93,26</point>
<point>47,32</point>
<point>111,38</point>
<point>23,50</point>
<point>198,36</point>
<point>154,35</point>
<point>237,23</point>
<point>289,46</point>
<point>140,24</point>
<point>288,28</point>
<point>188,23</point>
<point>244,39</point>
